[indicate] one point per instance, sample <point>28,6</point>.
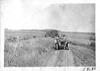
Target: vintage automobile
<point>61,44</point>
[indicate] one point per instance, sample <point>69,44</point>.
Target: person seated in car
<point>64,39</point>
<point>57,39</point>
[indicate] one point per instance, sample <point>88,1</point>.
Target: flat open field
<point>30,48</point>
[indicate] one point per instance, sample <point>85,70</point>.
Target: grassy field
<point>29,48</point>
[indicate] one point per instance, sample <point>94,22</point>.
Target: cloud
<point>21,14</point>
<point>73,17</point>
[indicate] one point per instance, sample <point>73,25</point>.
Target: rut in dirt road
<point>61,58</point>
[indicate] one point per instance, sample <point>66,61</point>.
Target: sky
<point>25,14</point>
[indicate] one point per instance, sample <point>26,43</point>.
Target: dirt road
<point>75,56</point>
<point>61,58</point>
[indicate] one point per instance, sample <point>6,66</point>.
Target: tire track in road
<point>70,58</point>
<point>61,58</point>
<point>83,56</point>
<point>66,59</point>
<point>53,59</point>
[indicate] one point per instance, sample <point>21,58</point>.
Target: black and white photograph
<point>49,34</point>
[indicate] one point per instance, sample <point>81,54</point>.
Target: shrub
<point>12,39</point>
<point>92,44</point>
<point>52,33</point>
<point>92,38</point>
<point>34,36</point>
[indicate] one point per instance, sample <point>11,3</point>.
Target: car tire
<point>56,46</point>
<point>66,48</point>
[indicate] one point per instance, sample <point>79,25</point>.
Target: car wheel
<point>66,48</point>
<point>56,45</point>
